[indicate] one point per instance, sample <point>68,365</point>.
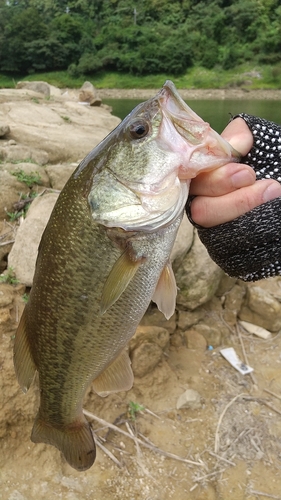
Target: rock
<point>23,255</point>
<point>183,242</point>
<point>4,130</point>
<point>40,87</point>
<point>59,174</point>
<point>154,317</point>
<point>9,193</point>
<point>197,278</point>
<point>145,358</point>
<point>6,295</point>
<point>233,301</point>
<point>195,340</point>
<point>156,334</point>
<point>176,340</point>
<point>212,334</point>
<point>29,169</point>
<point>88,94</point>
<point>186,319</point>
<point>64,130</point>
<point>189,399</point>
<point>16,153</point>
<point>262,309</point>
<point>54,91</point>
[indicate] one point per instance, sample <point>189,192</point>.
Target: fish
<point>104,255</point>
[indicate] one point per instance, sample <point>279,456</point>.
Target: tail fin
<point>76,442</point>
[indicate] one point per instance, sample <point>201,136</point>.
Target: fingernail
<point>242,178</point>
<point>272,191</point>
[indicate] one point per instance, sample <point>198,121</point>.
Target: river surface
<point>215,112</point>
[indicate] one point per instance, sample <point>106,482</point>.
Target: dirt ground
<point>227,449</point>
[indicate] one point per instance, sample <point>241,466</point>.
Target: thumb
<point>239,136</point>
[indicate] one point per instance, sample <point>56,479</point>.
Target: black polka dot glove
<point>249,247</point>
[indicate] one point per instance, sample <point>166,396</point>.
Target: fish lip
<point>175,108</point>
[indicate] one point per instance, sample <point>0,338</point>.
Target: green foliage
<point>140,38</point>
<point>133,409</point>
<point>9,277</point>
<point>28,179</point>
<point>25,297</point>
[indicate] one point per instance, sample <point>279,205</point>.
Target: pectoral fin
<point>166,292</point>
<point>24,364</point>
<point>118,279</point>
<point>117,377</point>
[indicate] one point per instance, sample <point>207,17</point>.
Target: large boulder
<point>262,309</point>
<point>198,277</point>
<point>23,255</point>
<point>40,87</point>
<point>63,129</point>
<point>88,94</point>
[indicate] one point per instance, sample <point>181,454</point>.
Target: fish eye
<point>138,129</point>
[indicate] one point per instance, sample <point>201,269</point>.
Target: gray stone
<point>17,153</point>
<point>197,278</point>
<point>156,334</point>
<point>145,358</point>
<point>189,399</point>
<point>183,242</point>
<point>212,334</point>
<point>9,193</point>
<point>233,301</point>
<point>59,174</point>
<point>29,169</point>
<point>88,94</point>
<point>262,309</point>
<point>63,129</point>
<point>195,340</point>
<point>40,87</point>
<point>154,317</point>
<point>4,130</point>
<point>23,255</point>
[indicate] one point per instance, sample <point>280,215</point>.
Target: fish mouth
<point>198,138</point>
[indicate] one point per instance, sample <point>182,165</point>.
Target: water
<point>215,112</point>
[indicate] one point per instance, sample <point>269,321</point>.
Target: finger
<point>211,211</point>
<point>238,134</point>
<point>223,180</point>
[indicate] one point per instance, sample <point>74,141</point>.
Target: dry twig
<point>261,493</point>
<point>272,393</point>
<point>142,443</point>
<point>217,438</point>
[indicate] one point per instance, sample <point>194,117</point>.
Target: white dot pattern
<point>249,247</point>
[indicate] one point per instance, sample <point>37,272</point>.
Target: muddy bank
<point>235,93</point>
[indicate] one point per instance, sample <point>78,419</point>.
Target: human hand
<point>232,190</point>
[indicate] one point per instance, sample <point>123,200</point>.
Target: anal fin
<point>117,377</point>
<point>165,293</point>
<point>118,279</point>
<point>23,361</point>
<point>76,441</point>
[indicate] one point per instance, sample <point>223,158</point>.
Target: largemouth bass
<point>103,257</point>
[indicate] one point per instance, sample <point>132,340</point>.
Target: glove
<point>249,247</point>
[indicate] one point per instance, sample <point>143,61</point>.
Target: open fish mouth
<point>201,141</point>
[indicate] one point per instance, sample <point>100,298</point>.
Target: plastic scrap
<point>256,330</point>
<point>230,355</point>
